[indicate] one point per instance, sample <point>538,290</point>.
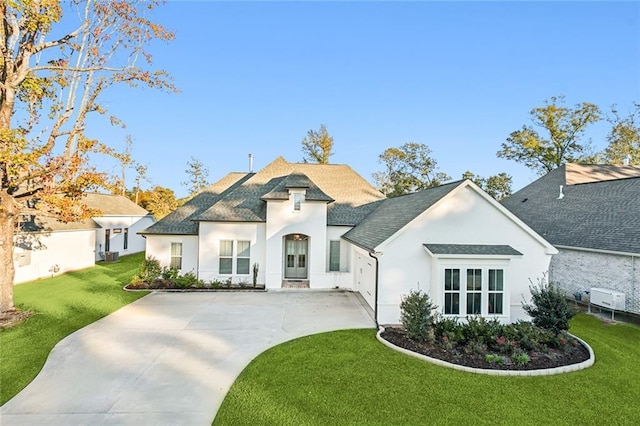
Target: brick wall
<point>578,270</point>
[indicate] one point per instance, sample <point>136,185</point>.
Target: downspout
<point>375,303</point>
<point>634,282</point>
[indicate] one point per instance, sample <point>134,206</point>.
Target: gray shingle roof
<point>181,221</point>
<point>297,180</point>
<point>107,204</point>
<point>391,214</point>
<point>473,249</point>
<point>602,215</point>
<point>113,205</point>
<point>326,182</point>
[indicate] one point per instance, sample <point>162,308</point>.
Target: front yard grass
<point>62,305</point>
<point>348,377</point>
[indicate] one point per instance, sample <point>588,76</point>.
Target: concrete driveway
<point>170,358</point>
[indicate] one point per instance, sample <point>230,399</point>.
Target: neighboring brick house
<point>591,214</point>
<point>324,226</point>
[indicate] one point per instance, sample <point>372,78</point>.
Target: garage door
<point>366,279</point>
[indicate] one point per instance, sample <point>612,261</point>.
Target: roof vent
<point>626,160</point>
<point>250,163</point>
<point>561,196</point>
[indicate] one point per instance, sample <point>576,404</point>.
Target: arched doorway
<point>296,257</point>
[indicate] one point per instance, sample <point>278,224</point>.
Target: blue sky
<point>456,76</point>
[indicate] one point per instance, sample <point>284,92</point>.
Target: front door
<point>296,259</point>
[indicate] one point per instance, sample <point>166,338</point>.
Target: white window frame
<point>244,256</point>
<point>297,201</point>
<point>494,292</point>
<point>464,292</point>
<point>452,291</point>
<point>225,257</point>
<point>173,263</point>
<point>334,252</point>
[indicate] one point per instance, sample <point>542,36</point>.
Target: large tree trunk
<point>8,211</point>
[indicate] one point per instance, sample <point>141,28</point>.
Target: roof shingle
<point>391,214</point>
<point>596,211</point>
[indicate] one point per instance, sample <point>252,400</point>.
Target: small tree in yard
<point>416,315</point>
<point>549,309</point>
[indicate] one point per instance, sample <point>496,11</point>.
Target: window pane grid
<point>496,288</point>
<point>334,255</point>
<point>176,256</point>
<point>452,291</point>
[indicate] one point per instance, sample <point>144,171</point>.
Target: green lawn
<point>348,377</point>
<point>62,305</point>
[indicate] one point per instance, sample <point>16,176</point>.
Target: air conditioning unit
<point>111,256</point>
<point>607,298</point>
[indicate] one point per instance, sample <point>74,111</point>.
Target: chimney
<point>561,196</point>
<point>250,163</point>
<point>626,160</point>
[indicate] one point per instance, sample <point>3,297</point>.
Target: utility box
<point>111,256</point>
<point>608,299</point>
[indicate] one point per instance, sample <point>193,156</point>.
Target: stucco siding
<point>283,220</point>
<point>54,253</point>
<point>577,270</point>
<point>117,224</point>
<point>211,233</point>
<point>159,246</point>
<point>463,217</point>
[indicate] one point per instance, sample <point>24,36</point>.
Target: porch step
<point>295,283</point>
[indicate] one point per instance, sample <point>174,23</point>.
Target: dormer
<point>297,188</point>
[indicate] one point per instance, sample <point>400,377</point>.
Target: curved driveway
<point>170,358</point>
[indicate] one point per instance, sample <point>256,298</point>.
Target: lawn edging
<point>196,290</point>
<point>544,372</point>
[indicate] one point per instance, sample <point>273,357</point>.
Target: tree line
<point>555,137</point>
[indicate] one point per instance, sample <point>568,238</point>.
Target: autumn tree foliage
<point>159,201</point>
<point>555,137</point>
<point>51,81</point>
<point>317,146</point>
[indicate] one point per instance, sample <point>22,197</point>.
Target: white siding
<point>69,250</point>
<point>159,246</point>
<point>211,233</point>
<point>463,217</point>
<point>135,224</point>
<point>310,220</point>
<point>344,277</point>
<point>364,275</point>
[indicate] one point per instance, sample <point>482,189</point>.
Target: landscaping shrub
<point>150,270</point>
<point>479,329</point>
<point>549,309</point>
<point>170,274</point>
<point>448,331</point>
<point>416,315</point>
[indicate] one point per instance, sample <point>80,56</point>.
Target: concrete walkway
<point>169,359</point>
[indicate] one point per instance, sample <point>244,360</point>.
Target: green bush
<point>448,331</point>
<point>520,358</point>
<point>150,270</point>
<point>482,330</point>
<point>549,309</point>
<point>188,280</point>
<point>416,315</point>
<point>170,274</point>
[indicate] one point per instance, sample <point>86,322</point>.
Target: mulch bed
<point>573,353</point>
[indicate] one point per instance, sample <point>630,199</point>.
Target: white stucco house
<point>591,214</point>
<point>324,226</point>
<point>46,247</point>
